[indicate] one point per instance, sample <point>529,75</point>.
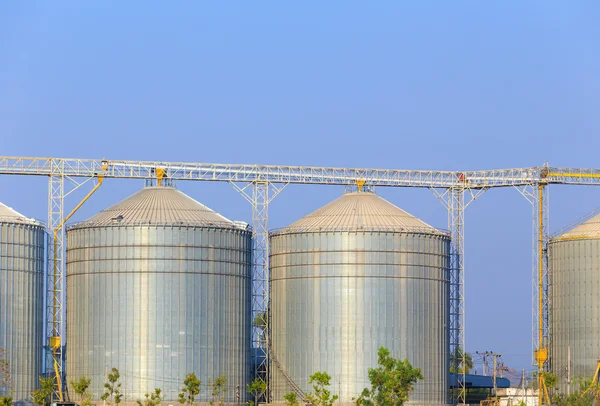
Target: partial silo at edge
<point>574,261</point>
<point>159,286</point>
<point>22,247</point>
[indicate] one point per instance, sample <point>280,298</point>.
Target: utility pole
<point>523,386</point>
<point>569,370</point>
<point>495,357</point>
<point>484,363</point>
<point>484,356</point>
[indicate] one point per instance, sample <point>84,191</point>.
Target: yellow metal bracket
<point>160,174</point>
<point>360,184</point>
<point>594,384</point>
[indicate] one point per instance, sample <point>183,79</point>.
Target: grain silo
<point>574,270</point>
<point>159,286</point>
<point>353,276</point>
<point>21,300</point>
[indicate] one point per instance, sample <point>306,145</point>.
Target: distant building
<point>514,396</point>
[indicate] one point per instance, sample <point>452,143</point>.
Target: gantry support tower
<point>259,184</point>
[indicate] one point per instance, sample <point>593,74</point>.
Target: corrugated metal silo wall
<point>22,304</point>
<point>336,297</point>
<point>157,303</point>
<point>574,307</point>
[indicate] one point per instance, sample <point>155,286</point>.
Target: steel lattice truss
<point>259,184</point>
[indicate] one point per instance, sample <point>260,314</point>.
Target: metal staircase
<point>295,388</point>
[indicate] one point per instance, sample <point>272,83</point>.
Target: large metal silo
<point>353,276</point>
<point>159,286</point>
<point>574,270</point>
<point>21,300</point>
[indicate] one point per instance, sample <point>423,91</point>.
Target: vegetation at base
<point>550,380</point>
<point>81,388</point>
<point>218,390</point>
<point>112,388</point>
<point>576,398</point>
<point>191,389</point>
<point>5,380</point>
<point>152,399</point>
<point>322,396</point>
<point>43,395</point>
<point>257,388</point>
<point>391,382</point>
<point>291,399</point>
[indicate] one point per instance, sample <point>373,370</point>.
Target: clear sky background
<point>416,85</point>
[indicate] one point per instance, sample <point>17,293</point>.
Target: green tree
<point>391,382</point>
<point>260,321</point>
<point>112,388</point>
<point>291,399</point>
<point>152,399</point>
<point>257,388</point>
<point>5,379</point>
<point>6,401</point>
<point>550,380</point>
<point>191,389</point>
<point>80,387</point>
<point>456,358</point>
<point>322,396</point>
<point>218,390</point>
<point>43,395</point>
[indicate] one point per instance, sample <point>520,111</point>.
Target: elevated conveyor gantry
<point>259,184</point>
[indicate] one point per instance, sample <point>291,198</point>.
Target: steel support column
<point>456,200</point>
<point>55,278</point>
<point>537,196</point>
<point>261,195</point>
<point>59,187</point>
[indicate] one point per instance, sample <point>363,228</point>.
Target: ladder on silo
<point>295,388</point>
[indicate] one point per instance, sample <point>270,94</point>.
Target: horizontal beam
<point>14,165</point>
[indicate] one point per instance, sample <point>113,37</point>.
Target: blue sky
<point>428,85</point>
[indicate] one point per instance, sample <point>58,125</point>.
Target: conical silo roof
<point>588,229</point>
<point>360,211</point>
<point>162,205</point>
<point>8,214</point>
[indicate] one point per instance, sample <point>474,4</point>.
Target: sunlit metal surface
<point>337,296</point>
<point>22,243</point>
<point>574,260</point>
<point>159,301</point>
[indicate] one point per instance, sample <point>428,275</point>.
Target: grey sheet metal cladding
<point>159,286</point>
<point>21,300</point>
<point>574,265</point>
<point>353,276</point>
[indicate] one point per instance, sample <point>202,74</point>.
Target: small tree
<point>152,399</point>
<point>322,396</point>
<point>191,389</point>
<point>218,390</point>
<point>43,396</point>
<point>6,401</point>
<point>291,399</point>
<point>391,382</point>
<point>257,388</point>
<point>112,388</point>
<point>5,381</point>
<point>456,359</point>
<point>80,387</point>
